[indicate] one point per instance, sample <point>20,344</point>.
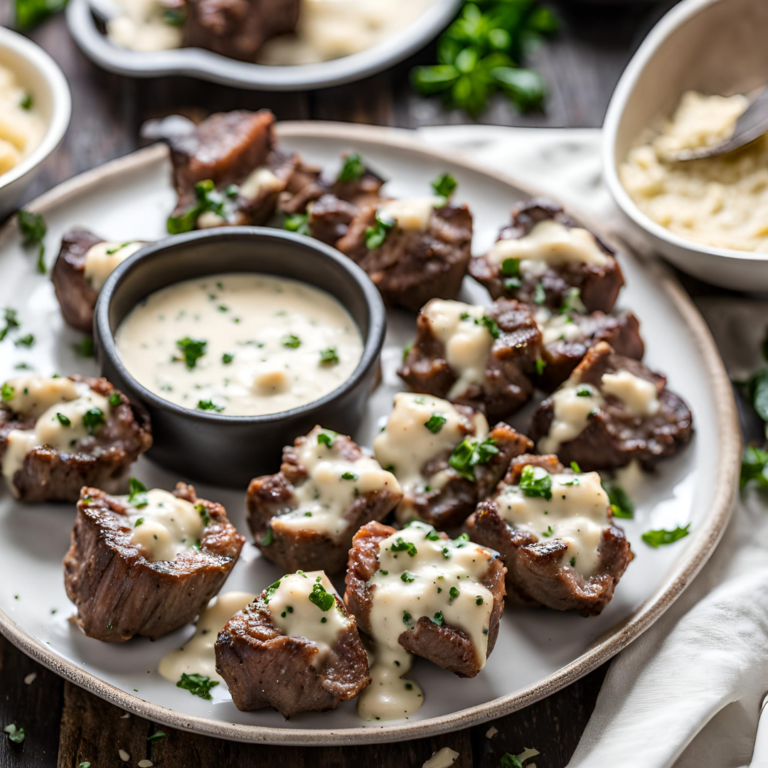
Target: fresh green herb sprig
<point>535,486</point>
<point>320,597</point>
<point>469,453</point>
<point>33,230</point>
<point>661,537</point>
<point>479,55</point>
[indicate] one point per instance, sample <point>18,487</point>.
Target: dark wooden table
<point>65,725</point>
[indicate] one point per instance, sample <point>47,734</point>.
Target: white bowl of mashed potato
<point>685,88</point>
<point>35,107</point>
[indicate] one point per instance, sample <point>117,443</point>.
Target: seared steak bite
<point>610,411</point>
<point>148,563</point>
<point>294,648</point>
<point>417,592</point>
<point>547,258</point>
<point>568,336</point>
<point>553,528</point>
<point>227,171</point>
<point>413,250</point>
<point>59,434</point>
<point>237,28</point>
<point>306,514</point>
<point>478,356</point>
<point>444,457</point>
<point>83,265</point>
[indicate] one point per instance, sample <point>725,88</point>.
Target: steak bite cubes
<point>226,171</point>
<point>147,563</point>
<point>413,249</point>
<point>610,411</point>
<point>294,648</point>
<point>83,265</point>
<point>59,434</point>
<point>554,530</point>
<point>417,592</point>
<point>306,514</point>
<point>544,257</point>
<point>478,356</point>
<point>444,457</point>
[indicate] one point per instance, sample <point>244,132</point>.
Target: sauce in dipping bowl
<point>237,340</point>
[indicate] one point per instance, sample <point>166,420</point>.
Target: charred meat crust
<point>47,474</point>
<point>599,286</point>
<point>119,593</point>
<point>621,331</point>
<point>506,384</point>
<point>537,573</point>
<point>264,668</point>
<point>412,267</point>
<point>237,28</point>
<point>75,294</point>
<point>613,438</point>
<point>446,646</point>
<point>270,496</point>
<point>449,506</point>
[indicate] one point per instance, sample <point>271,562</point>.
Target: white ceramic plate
<point>537,652</point>
<point>207,65</point>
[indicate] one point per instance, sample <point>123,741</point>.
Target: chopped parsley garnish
<point>406,617</point>
<point>65,421</point>
<point>548,532</point>
<point>491,326</point>
<point>271,589</point>
<point>329,356</point>
<point>660,537</point>
<point>205,516</point>
<point>435,423</point>
<point>206,199</point>
<point>11,322</point>
<point>535,487</point>
<point>621,504</point>
<point>298,223</point>
<point>209,405</point>
<point>33,230</point>
<point>510,268</point>
<point>541,364</point>
<point>7,392</point>
<point>575,467</point>
<point>137,493</point>
<point>539,294</point>
<point>84,349</point>
<point>401,545</point>
<point>16,735</point>
<point>754,466</point>
<point>353,168</point>
<point>93,418</point>
<point>479,600</point>
<point>159,734</point>
<point>26,101</point>
<point>174,17</point>
<point>139,521</point>
<point>112,251</point>
<point>584,392</point>
<point>192,350</point>
<point>510,761</point>
<point>407,577</point>
<point>445,185</point>
<point>291,340</point>
<point>432,535</point>
<point>25,341</point>
<point>453,593</point>
<point>572,302</point>
<point>267,539</point>
<point>377,234</point>
<point>512,283</point>
<point>115,399</point>
<point>197,685</point>
<point>320,596</point>
<point>469,453</point>
<point>438,618</point>
<point>326,438</point>
<point>227,358</point>
<point>349,476</point>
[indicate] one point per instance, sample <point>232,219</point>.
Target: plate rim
<point>207,65</point>
<point>605,647</point>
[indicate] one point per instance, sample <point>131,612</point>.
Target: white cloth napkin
<point>687,693</point>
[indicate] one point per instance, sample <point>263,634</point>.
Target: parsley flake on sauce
<point>535,487</point>
<point>137,493</point>
<point>469,453</point>
<point>209,405</point>
<point>93,419</point>
<point>401,545</point>
<point>192,350</point>
<point>323,599</point>
<point>329,356</point>
<point>291,340</point>
<point>7,392</point>
<point>435,423</point>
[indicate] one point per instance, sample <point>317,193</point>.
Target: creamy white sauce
<point>58,405</point>
<point>332,29</point>
<point>549,244</point>
<point>163,526</point>
<point>639,396</point>
<point>411,213</point>
<point>296,615</point>
<point>573,403</point>
<point>466,340</point>
<point>439,579</point>
<point>265,339</point>
<point>102,259</point>
<point>21,126</point>
<point>556,327</point>
<point>406,444</point>
<point>198,654</point>
<point>577,513</point>
<point>442,759</point>
<point>331,487</point>
<point>143,27</point>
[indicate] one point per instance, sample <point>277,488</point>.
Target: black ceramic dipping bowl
<point>230,450</point>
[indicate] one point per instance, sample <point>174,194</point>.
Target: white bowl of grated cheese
<point>708,217</point>
<point>35,107</point>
